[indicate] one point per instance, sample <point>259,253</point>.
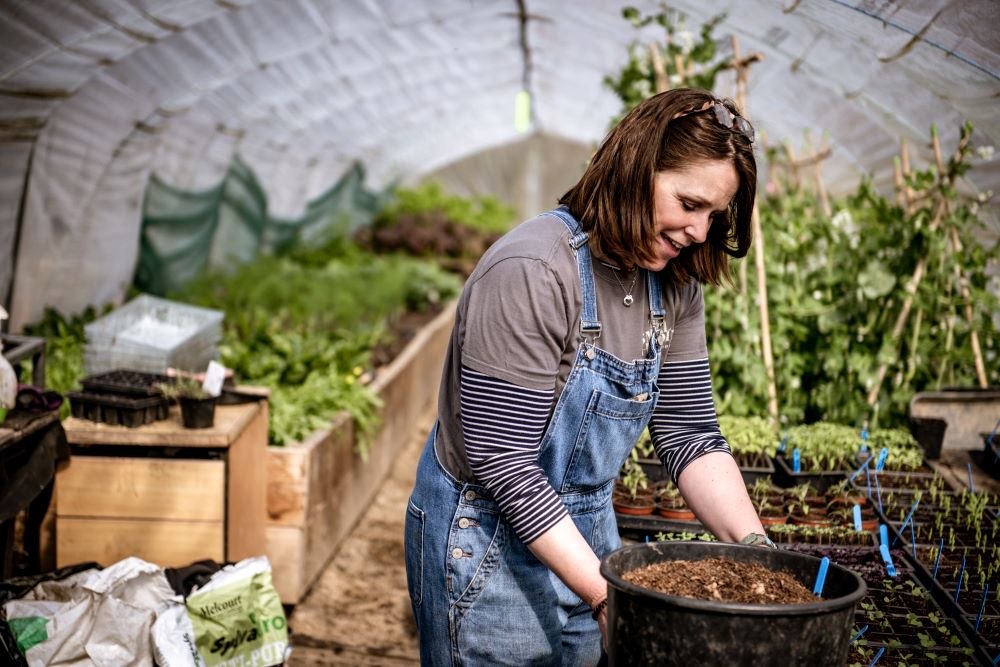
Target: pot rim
<point>733,608</point>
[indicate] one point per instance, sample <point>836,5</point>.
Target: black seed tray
<point>785,477</point>
<point>118,410</point>
<point>133,383</point>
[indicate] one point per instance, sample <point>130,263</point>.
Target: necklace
<point>628,292</point>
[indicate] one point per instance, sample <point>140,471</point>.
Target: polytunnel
<point>284,381</point>
<point>100,96</point>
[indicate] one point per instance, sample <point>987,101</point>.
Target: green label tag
<point>29,631</point>
<point>242,623</point>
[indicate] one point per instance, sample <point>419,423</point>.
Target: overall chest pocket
<point>609,429</point>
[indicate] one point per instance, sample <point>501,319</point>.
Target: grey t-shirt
<point>518,319</point>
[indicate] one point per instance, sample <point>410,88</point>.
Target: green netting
<point>187,232</point>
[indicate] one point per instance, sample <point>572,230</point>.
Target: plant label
<point>214,377</point>
<point>889,567</point>
<point>857,517</point>
<point>796,461</point>
<point>882,456</point>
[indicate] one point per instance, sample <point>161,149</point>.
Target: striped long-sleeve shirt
<point>503,424</point>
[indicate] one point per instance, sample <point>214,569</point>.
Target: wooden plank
<point>301,476</point>
<point>230,421</point>
<point>166,543</point>
<point>285,548</point>
<point>246,499</point>
<point>106,486</point>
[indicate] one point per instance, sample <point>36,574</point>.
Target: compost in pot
<point>647,627</point>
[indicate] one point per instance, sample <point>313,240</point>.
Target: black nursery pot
<point>929,433</point>
<point>197,412</point>
<point>650,628</point>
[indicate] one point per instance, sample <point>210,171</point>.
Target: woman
<point>576,330</point>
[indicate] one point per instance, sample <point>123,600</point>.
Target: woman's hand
<point>602,623</point>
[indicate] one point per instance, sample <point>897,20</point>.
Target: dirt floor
<point>358,612</point>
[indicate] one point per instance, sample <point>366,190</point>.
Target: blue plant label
<point>864,440</point>
<point>824,565</point>
<point>889,567</point>
<point>857,517</point>
<point>883,534</point>
<point>783,445</point>
<point>882,456</point>
<point>796,462</point>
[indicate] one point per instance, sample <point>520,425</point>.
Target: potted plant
<point>769,502</point>
<point>670,503</point>
<point>631,495</point>
<point>197,406</point>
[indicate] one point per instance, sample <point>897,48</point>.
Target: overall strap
<point>657,313</point>
<point>590,326</point>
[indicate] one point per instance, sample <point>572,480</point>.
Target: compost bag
<point>91,617</point>
<point>235,619</point>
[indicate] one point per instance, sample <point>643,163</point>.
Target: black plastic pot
<point>650,628</point>
<point>197,412</point>
<point>929,432</point>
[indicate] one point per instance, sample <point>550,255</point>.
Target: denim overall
<point>479,596</point>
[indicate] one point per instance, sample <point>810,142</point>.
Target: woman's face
<point>685,203</point>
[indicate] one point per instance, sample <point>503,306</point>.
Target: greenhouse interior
<point>300,367</point>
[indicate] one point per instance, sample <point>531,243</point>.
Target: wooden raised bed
<point>319,488</point>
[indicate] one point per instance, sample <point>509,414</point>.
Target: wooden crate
<point>113,501</point>
<point>319,488</point>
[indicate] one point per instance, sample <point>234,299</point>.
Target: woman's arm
<point>685,433</point>
<point>502,426</point>
<point>564,551</point>
<point>713,488</point>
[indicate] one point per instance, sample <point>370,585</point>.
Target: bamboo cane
<point>824,201</point>
<point>793,169</point>
<point>918,272</point>
<point>758,235</point>
<point>662,83</point>
<point>679,66</point>
<point>898,180</point>
<point>956,249</point>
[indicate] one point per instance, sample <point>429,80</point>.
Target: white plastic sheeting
<point>97,94</point>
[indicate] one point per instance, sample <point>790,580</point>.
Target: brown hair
<point>613,200</point>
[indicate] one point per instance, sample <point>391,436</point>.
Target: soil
<point>722,579</point>
<point>403,331</point>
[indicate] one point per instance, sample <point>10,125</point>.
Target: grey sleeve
<point>516,323</point>
<point>688,341</point>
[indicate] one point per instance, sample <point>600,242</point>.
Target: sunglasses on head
<point>725,118</point>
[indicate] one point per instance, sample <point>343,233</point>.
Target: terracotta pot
<point>675,513</point>
<point>814,520</point>
<point>640,505</point>
<point>773,520</point>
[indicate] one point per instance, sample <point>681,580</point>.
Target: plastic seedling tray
<point>134,383</point>
<point>785,477</point>
<point>116,409</point>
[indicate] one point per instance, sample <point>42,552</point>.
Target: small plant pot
<point>773,520</point>
<point>197,412</point>
<point>682,513</point>
<point>646,627</point>
<point>640,505</point>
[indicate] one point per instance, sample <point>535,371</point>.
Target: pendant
<point>628,300</point>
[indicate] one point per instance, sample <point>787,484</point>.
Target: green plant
<point>836,288</point>
<point>183,386</point>
<point>633,477</point>
<point>645,73</point>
